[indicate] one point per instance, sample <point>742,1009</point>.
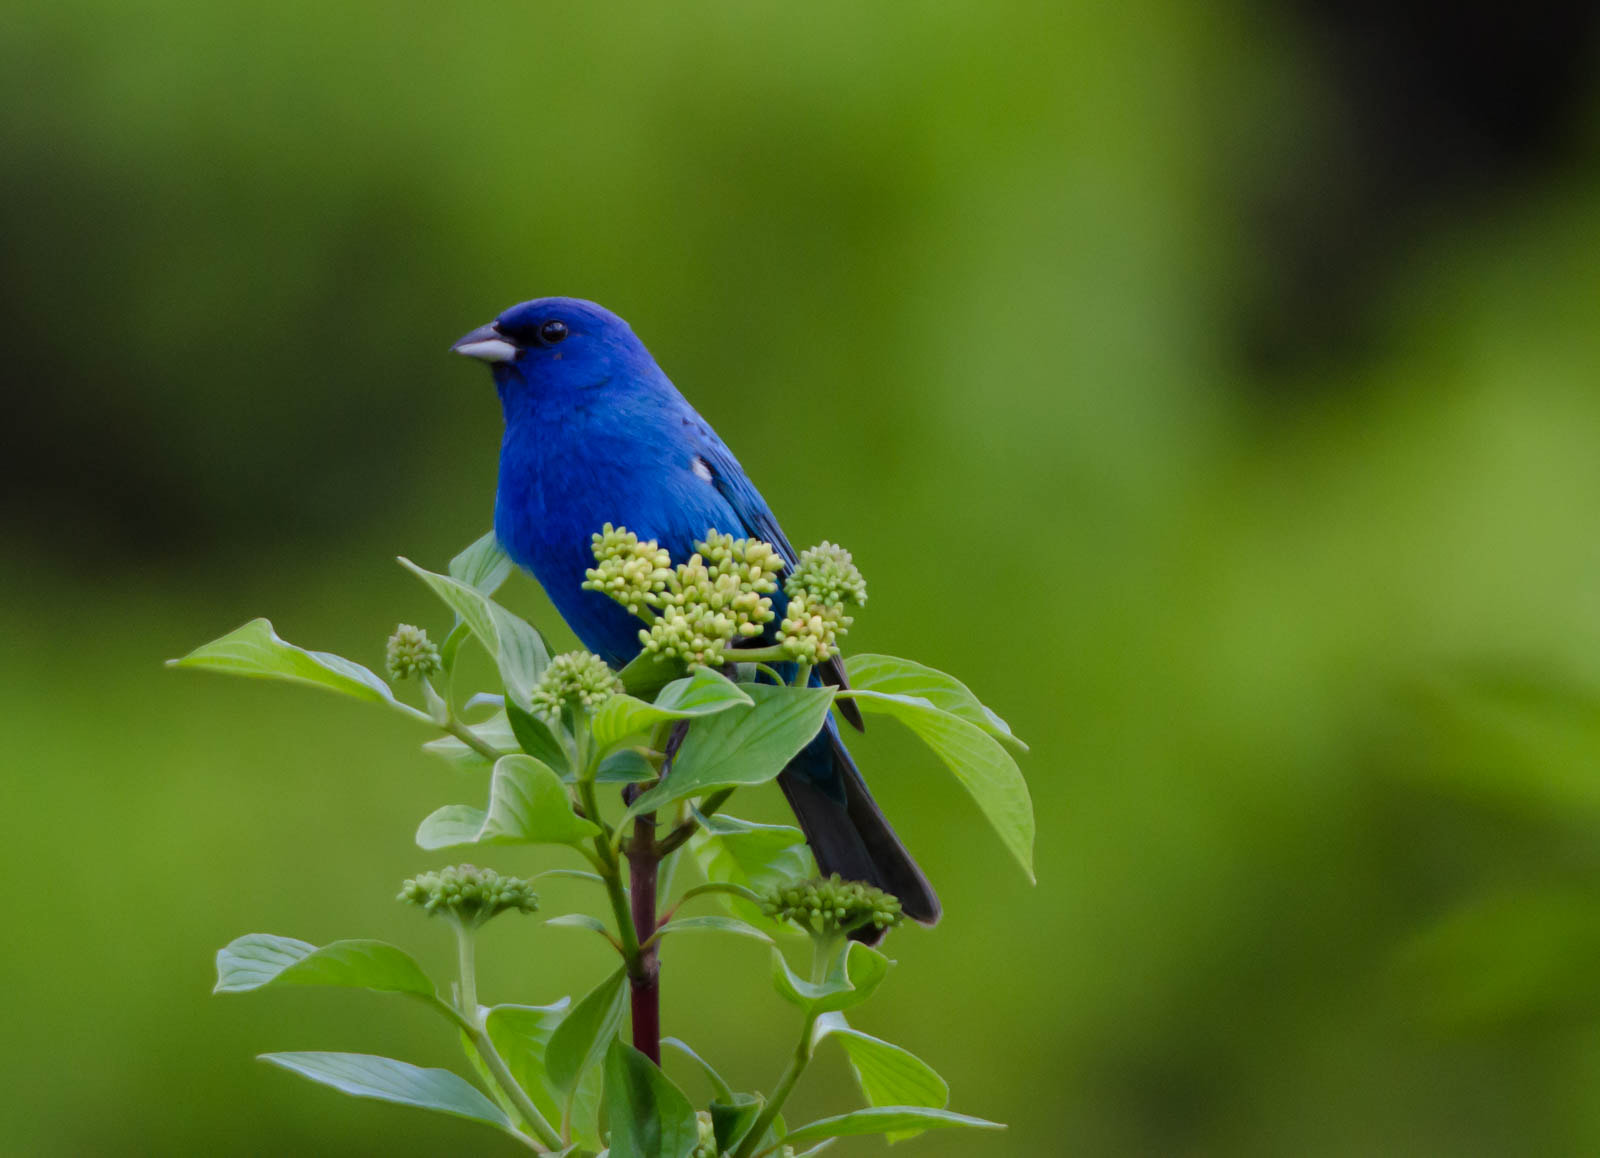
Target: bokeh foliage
<point>1309,658</point>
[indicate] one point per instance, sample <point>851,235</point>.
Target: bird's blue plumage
<point>595,433</point>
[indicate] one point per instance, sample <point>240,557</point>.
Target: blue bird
<point>596,433</point>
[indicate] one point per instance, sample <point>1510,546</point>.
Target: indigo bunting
<point>596,433</point>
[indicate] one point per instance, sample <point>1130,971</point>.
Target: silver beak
<point>486,344</point>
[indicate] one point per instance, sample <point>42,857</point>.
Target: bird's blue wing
<point>736,489</point>
<point>729,480</point>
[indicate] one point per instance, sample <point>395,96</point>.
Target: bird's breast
<point>554,495</point>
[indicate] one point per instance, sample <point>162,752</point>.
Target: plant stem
<point>472,1026</point>
<point>467,970</point>
<point>545,1132</point>
<point>610,870</point>
<point>823,950</point>
<point>644,877</point>
<point>634,925</point>
<point>780,1092</point>
<point>674,839</point>
<point>644,864</point>
<point>772,654</point>
<point>472,740</point>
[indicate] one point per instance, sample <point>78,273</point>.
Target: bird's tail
<point>848,832</point>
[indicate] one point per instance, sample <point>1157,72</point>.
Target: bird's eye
<point>552,332</point>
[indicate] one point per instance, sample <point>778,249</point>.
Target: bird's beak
<point>486,344</point>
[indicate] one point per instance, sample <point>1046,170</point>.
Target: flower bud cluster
<point>829,905</point>
<point>706,1143</point>
<point>694,635</point>
<point>830,575</point>
<point>635,574</point>
<point>469,895</point>
<point>810,631</point>
<point>696,609</point>
<point>410,652</point>
<point>737,576</point>
<point>823,583</point>
<point>578,680</point>
<point>723,593</point>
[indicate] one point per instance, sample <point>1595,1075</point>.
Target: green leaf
<point>494,731</point>
<point>584,1034</point>
<point>534,737</point>
<point>521,1034</point>
<point>258,960</point>
<point>740,852</point>
<point>743,746</point>
<point>450,826</point>
<point>528,804</point>
<point>714,924</point>
<point>367,1076</point>
<point>483,566</point>
<point>255,650</point>
<point>573,874</point>
<point>984,768</point>
<point>884,1120</point>
<point>580,921</point>
<point>888,1074</point>
<point>731,1119</point>
<point>647,673</point>
<point>850,981</point>
<point>648,1115</point>
<point>625,767</point>
<point>723,1090</point>
<point>904,677</point>
<point>517,649</point>
<point>703,693</point>
<point>621,718</point>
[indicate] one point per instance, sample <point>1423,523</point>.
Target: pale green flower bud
<point>695,634</point>
<point>468,895</point>
<point>723,593</point>
<point>706,1144</point>
<point>830,905</point>
<point>633,573</point>
<point>829,575</point>
<point>410,652</point>
<point>811,629</point>
<point>734,578</point>
<point>578,680</point>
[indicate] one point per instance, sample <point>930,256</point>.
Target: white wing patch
<point>702,468</point>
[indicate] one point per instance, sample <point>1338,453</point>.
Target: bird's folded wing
<point>728,477</point>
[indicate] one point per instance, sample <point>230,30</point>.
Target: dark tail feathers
<point>854,838</point>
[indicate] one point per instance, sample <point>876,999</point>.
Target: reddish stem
<point>645,854</point>
<point>645,980</point>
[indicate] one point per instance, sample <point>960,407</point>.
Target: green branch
<point>471,739</point>
<point>466,1016</point>
<point>684,830</point>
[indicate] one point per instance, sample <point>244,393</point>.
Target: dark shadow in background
<point>1434,111</point>
<point>1431,111</point>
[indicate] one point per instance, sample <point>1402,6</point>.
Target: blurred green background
<point>1212,386</point>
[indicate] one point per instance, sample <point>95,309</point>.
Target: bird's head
<point>556,343</point>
